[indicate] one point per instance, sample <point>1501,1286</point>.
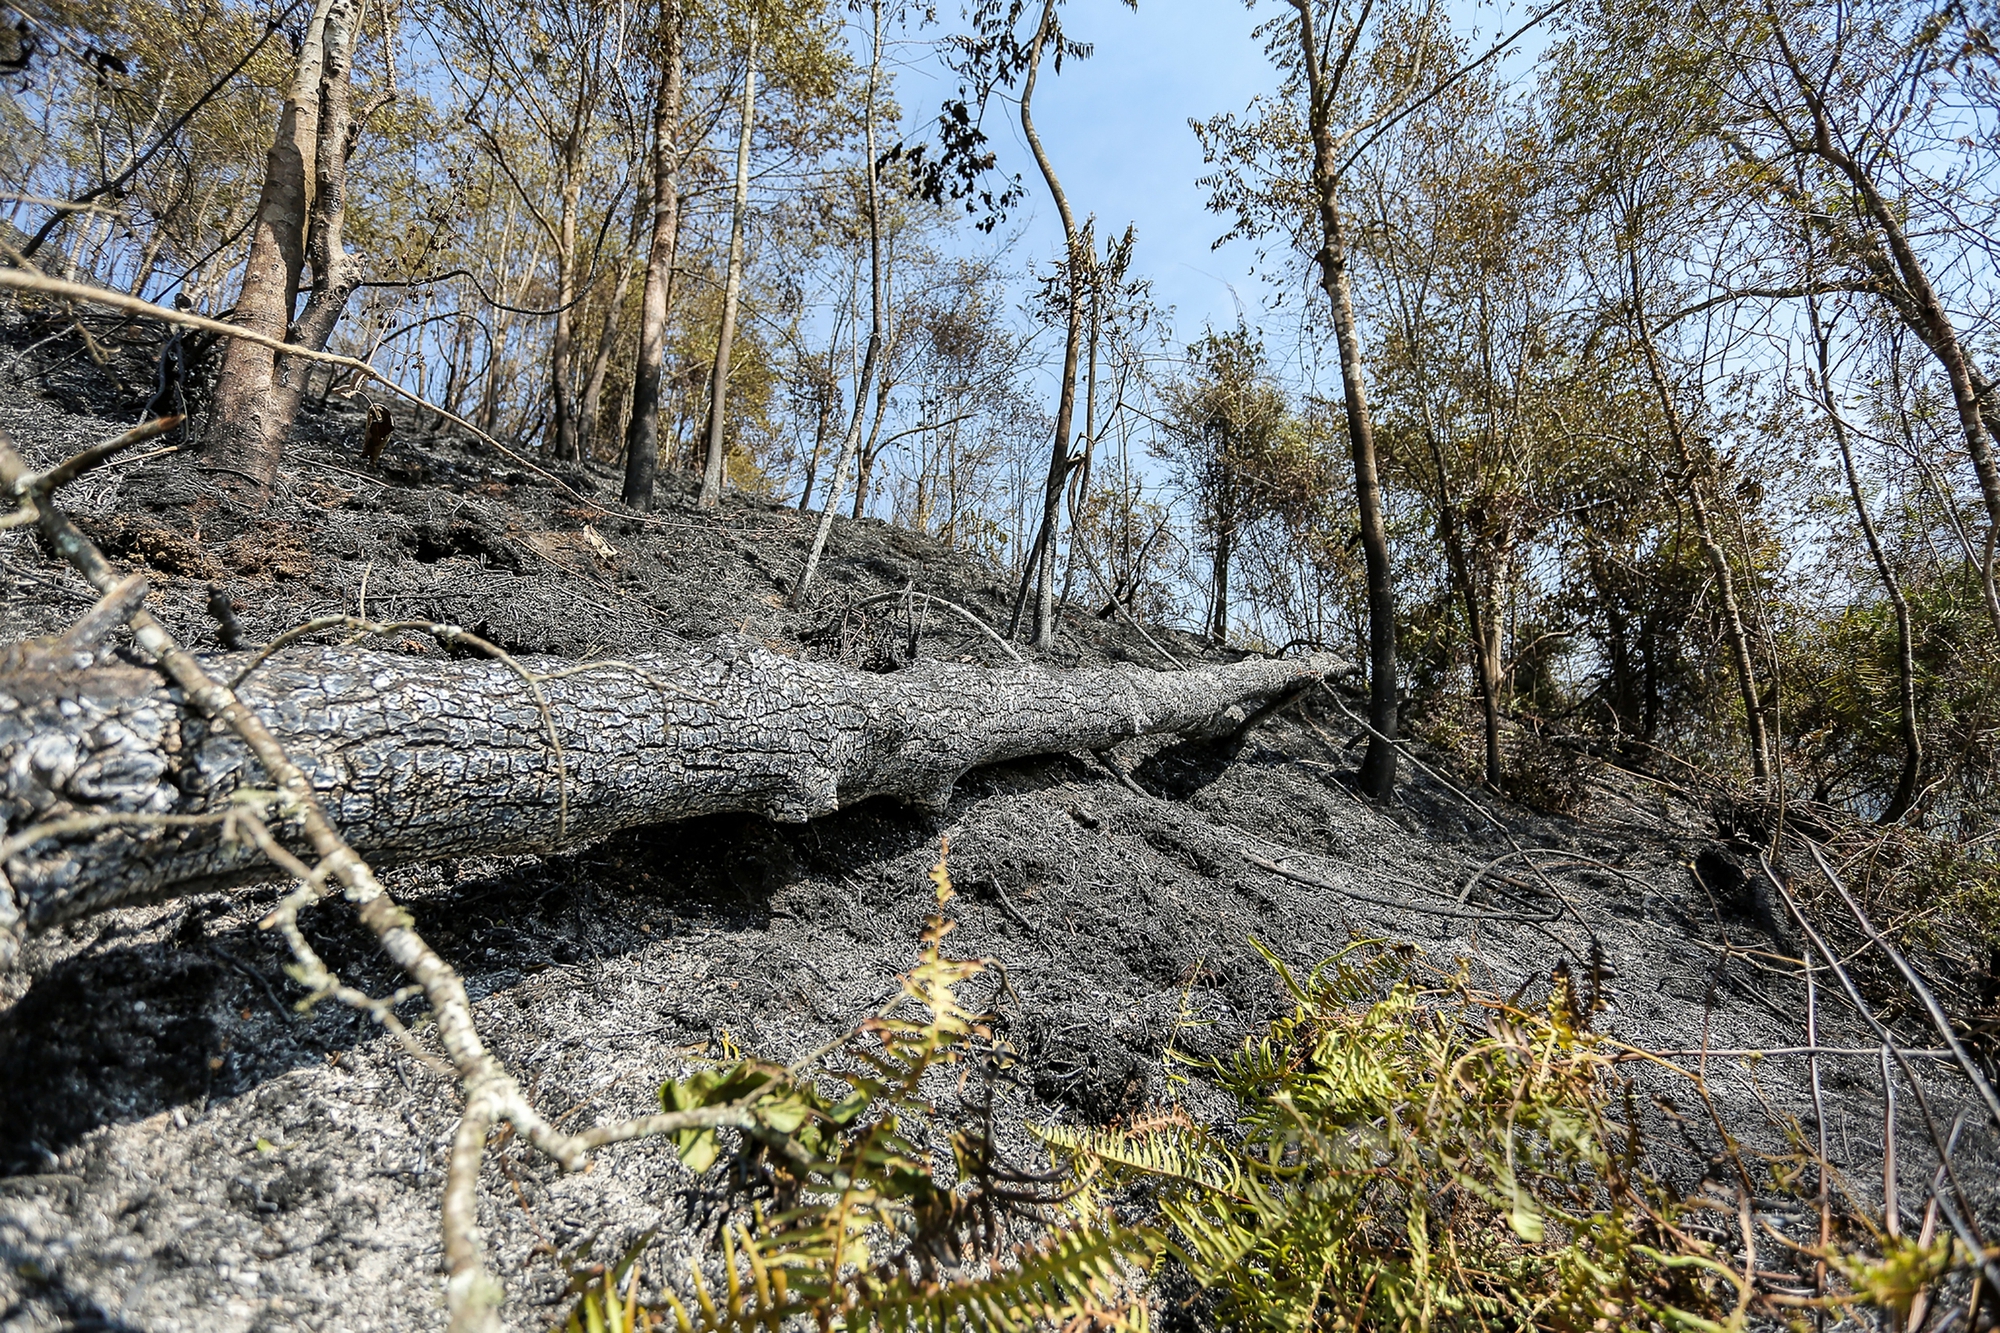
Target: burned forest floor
<point>180,1149</point>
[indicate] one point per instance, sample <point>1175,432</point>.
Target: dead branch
<point>425,758</point>
<point>963,614</point>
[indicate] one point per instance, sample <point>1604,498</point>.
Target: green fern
<point>1407,1153</point>
<point>851,1218</point>
<point>1405,1158</point>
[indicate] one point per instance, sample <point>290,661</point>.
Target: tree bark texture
<point>416,759</point>
<point>642,436</point>
<point>1378,766</point>
<point>245,443</point>
<point>563,438</point>
<point>335,274</point>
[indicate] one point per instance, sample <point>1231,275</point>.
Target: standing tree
<point>732,288</point>
<point>642,433</point>
<point>872,195</point>
<point>1229,420</point>
<point>1869,109</point>
<point>1349,72</point>
<point>993,57</point>
<point>300,212</point>
<point>553,65</point>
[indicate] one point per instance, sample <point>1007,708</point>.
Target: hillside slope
<point>182,1151</point>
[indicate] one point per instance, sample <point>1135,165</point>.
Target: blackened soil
<point>182,1150</point>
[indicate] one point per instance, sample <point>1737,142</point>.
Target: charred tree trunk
<point>335,274</point>
<point>1042,568</point>
<point>1225,544</point>
<point>248,441</point>
<point>642,435</point>
<point>1378,766</point>
<point>416,759</point>
<point>563,442</point>
<point>871,449</point>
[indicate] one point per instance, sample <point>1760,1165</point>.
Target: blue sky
<point>1116,127</point>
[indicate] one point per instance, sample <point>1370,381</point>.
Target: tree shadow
<point>129,1028</point>
<point>122,1031</point>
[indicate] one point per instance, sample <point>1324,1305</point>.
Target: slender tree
<point>642,433</point>
<point>1041,565</point>
<point>732,290</point>
<point>872,198</point>
<point>1694,473</point>
<point>1905,794</point>
<point>248,438</point>
<point>1324,90</point>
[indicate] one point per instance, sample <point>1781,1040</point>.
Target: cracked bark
<point>416,759</point>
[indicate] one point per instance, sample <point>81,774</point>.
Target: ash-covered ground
<point>183,1151</point>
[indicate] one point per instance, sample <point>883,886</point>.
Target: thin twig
<point>1477,808</point>
<point>1916,983</point>
<point>1090,563</point>
<point>1427,909</point>
<point>1966,1225</point>
<point>1767,1052</point>
<point>84,460</point>
<point>954,607</point>
<point>29,281</point>
<point>1526,852</point>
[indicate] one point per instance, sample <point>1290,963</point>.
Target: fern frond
<point>1183,1155</point>
<point>1071,1275</point>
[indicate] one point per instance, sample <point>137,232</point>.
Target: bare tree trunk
<point>642,434</point>
<point>607,336</point>
<point>824,391</point>
<point>244,448</point>
<point>851,444</point>
<point>334,274</point>
<point>1378,766</point>
<point>1225,542</point>
<point>732,290</point>
<point>1718,560</point>
<point>1042,567</point>
<point>418,759</point>
<point>1079,485</point>
<point>865,476</point>
<point>1218,616</point>
<point>461,364</point>
<point>1485,647</point>
<point>565,445</point>
<point>1488,645</point>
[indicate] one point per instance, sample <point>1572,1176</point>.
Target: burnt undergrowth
<point>176,1138</point>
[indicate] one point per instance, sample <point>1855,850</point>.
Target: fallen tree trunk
<point>417,758</point>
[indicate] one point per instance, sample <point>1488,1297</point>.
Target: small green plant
<point>600,1306</point>
<point>868,1205</point>
<point>1407,1153</point>
<point>1411,1158</point>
